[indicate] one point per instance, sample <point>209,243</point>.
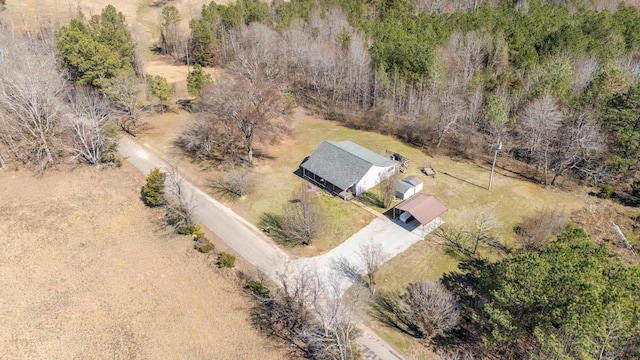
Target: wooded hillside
<point>547,80</point>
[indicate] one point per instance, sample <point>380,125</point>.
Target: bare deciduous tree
<point>169,29</point>
<point>30,102</point>
<point>579,147</point>
<point>302,219</point>
<point>310,315</point>
<point>456,355</point>
<point>180,202</point>
<point>125,92</point>
<point>584,70</point>
<point>246,108</point>
<point>446,6</point>
<point>540,122</point>
<point>94,139</point>
<point>387,188</point>
<point>333,335</point>
<point>430,309</point>
<point>478,232</point>
<point>537,229</point>
<point>257,51</point>
<point>373,256</point>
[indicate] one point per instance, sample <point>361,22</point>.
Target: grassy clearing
<point>277,181</point>
<point>460,185</point>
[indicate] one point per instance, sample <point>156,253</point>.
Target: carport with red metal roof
<point>424,208</point>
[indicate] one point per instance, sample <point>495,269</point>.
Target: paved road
<point>250,243</point>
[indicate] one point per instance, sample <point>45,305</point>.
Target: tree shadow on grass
<point>222,190</point>
<point>386,309</point>
<point>272,225</point>
<point>463,180</point>
<point>349,270</point>
<point>370,199</point>
<point>622,198</point>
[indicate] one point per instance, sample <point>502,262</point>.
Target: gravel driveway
<point>393,237</point>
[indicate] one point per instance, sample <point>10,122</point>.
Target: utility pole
<point>495,155</point>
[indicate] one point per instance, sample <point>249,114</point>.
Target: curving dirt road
<point>248,242</point>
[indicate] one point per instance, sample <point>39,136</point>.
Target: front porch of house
<point>346,194</point>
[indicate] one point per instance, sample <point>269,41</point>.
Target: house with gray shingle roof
<point>346,169</point>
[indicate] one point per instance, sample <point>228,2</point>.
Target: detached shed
<point>408,186</point>
<point>424,208</point>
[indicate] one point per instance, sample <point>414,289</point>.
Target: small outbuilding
<point>425,209</point>
<point>408,186</point>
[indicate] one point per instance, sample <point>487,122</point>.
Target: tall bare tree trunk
<point>249,149</point>
<point>546,166</point>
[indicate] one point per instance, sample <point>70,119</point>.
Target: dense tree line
<point>569,299</point>
<point>43,118</point>
<point>97,51</point>
<point>100,53</point>
<point>540,76</point>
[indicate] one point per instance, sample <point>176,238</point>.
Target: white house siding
<point>373,178</point>
<point>407,194</point>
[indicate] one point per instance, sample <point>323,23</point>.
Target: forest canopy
<point>570,299</point>
<point>430,72</point>
<point>98,50</point>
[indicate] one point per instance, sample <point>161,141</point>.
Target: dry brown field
<point>87,272</point>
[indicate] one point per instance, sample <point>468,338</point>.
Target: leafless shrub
<point>302,218</point>
<point>94,139</point>
<point>237,180</point>
<point>309,315</point>
<point>31,90</point>
<point>373,256</point>
<point>198,138</point>
<point>430,309</point>
<point>180,202</point>
<point>537,229</point>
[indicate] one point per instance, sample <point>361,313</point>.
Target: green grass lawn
<point>276,183</point>
<point>460,185</point>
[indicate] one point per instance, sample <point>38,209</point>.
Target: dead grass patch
<point>88,273</point>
